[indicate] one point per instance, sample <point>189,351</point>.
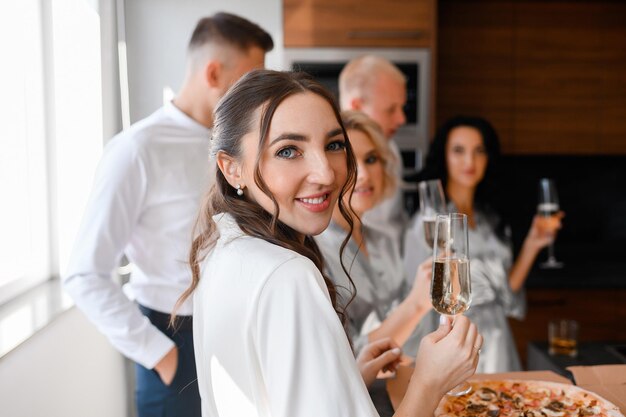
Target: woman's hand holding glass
<point>447,357</point>
<point>543,231</point>
<point>549,209</point>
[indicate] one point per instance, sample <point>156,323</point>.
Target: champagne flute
<point>432,203</point>
<point>450,288</point>
<point>548,208</point>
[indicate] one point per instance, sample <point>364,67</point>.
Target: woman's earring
<point>239,190</point>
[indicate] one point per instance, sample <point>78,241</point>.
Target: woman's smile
<point>316,203</point>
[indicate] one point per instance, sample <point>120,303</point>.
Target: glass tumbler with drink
<point>548,208</point>
<point>450,288</point>
<point>432,203</point>
<point>562,337</point>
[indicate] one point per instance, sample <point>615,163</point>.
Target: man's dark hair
<point>232,30</point>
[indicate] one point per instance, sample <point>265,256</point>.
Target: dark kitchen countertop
<point>589,354</point>
<point>580,276</point>
<point>584,267</point>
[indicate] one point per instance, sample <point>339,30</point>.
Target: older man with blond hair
<point>377,87</point>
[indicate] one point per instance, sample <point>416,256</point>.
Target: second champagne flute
<point>450,288</point>
<point>548,208</point>
<point>432,203</point>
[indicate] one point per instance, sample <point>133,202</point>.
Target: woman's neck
<point>463,199</point>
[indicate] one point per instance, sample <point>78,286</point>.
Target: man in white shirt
<point>144,203</point>
<point>377,87</point>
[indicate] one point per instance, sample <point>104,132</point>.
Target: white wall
<point>157,33</point>
<point>67,369</point>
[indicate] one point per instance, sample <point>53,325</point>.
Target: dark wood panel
<point>550,75</point>
<point>613,114</point>
<point>554,133</point>
<point>558,86</point>
<point>468,42</point>
<point>475,56</point>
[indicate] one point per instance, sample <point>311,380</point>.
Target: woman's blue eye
<point>337,145</point>
<point>286,153</point>
<point>372,159</point>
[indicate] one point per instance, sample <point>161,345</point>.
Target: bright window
<point>51,137</point>
<point>77,113</point>
<point>24,226</point>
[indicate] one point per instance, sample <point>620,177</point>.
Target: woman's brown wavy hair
<point>235,116</point>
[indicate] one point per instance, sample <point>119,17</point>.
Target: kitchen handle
<point>385,34</point>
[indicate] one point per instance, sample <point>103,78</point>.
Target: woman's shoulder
<point>377,234</point>
<point>233,240</point>
<point>333,235</point>
<point>330,240</point>
<point>380,241</point>
<point>251,257</point>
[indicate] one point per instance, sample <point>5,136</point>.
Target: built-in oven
<point>325,64</point>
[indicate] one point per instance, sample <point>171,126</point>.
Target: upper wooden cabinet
<point>550,75</point>
<point>362,23</point>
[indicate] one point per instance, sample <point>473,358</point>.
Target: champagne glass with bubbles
<point>548,208</point>
<point>432,203</point>
<point>450,287</point>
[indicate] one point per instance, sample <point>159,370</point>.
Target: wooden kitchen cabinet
<point>359,23</point>
<point>550,75</point>
<point>601,314</point>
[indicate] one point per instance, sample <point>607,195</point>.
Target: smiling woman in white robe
<point>267,327</point>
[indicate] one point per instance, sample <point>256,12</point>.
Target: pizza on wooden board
<point>512,398</point>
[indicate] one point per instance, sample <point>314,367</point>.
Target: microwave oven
<point>325,64</point>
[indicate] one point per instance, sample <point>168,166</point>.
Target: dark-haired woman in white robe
<point>464,156</point>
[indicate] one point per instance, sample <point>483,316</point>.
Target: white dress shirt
<point>267,340</point>
<point>143,204</point>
